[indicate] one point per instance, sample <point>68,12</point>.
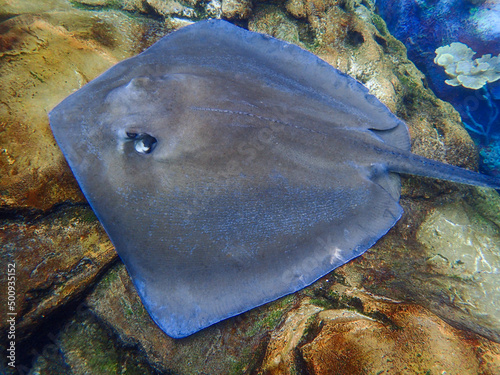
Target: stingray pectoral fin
<point>246,248</point>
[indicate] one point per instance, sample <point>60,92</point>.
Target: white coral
<point>456,59</point>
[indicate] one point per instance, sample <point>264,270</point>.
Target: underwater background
<point>423,300</point>
<point>470,32</point>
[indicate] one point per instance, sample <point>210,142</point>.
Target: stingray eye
<point>144,143</point>
<point>132,135</point>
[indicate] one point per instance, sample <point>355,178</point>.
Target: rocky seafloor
<point>423,300</point>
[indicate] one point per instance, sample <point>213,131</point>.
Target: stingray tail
<point>420,166</point>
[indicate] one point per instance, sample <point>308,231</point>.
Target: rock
<point>297,8</point>
<point>9,9</point>
<point>95,3</point>
<point>171,8</point>
<point>463,253</point>
<point>272,20</point>
<point>128,5</point>
<point>214,9</point>
<point>444,257</point>
<point>71,351</point>
<point>33,179</point>
<point>486,201</point>
<point>236,9</point>
<point>281,350</point>
<point>174,23</point>
<point>390,338</point>
<point>33,47</point>
<point>56,257</point>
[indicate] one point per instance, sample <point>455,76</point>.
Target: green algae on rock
<point>74,353</point>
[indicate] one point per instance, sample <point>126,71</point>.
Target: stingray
<point>230,168</point>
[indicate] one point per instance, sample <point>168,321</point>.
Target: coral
<point>483,130</point>
<point>456,58</point>
<point>491,157</point>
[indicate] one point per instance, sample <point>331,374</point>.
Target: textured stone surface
<point>273,20</point>
<point>43,59</point>
<point>84,346</point>
<point>463,255</point>
<point>10,8</point>
<point>297,8</point>
<point>236,9</point>
<point>444,256</point>
<point>61,252</point>
<point>170,8</point>
<point>30,159</point>
<point>57,257</point>
<point>387,338</point>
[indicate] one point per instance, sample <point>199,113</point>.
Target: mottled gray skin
<point>271,168</point>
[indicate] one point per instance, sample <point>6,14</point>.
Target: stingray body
<point>230,168</point>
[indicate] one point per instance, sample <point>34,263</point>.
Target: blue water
<point>424,26</point>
